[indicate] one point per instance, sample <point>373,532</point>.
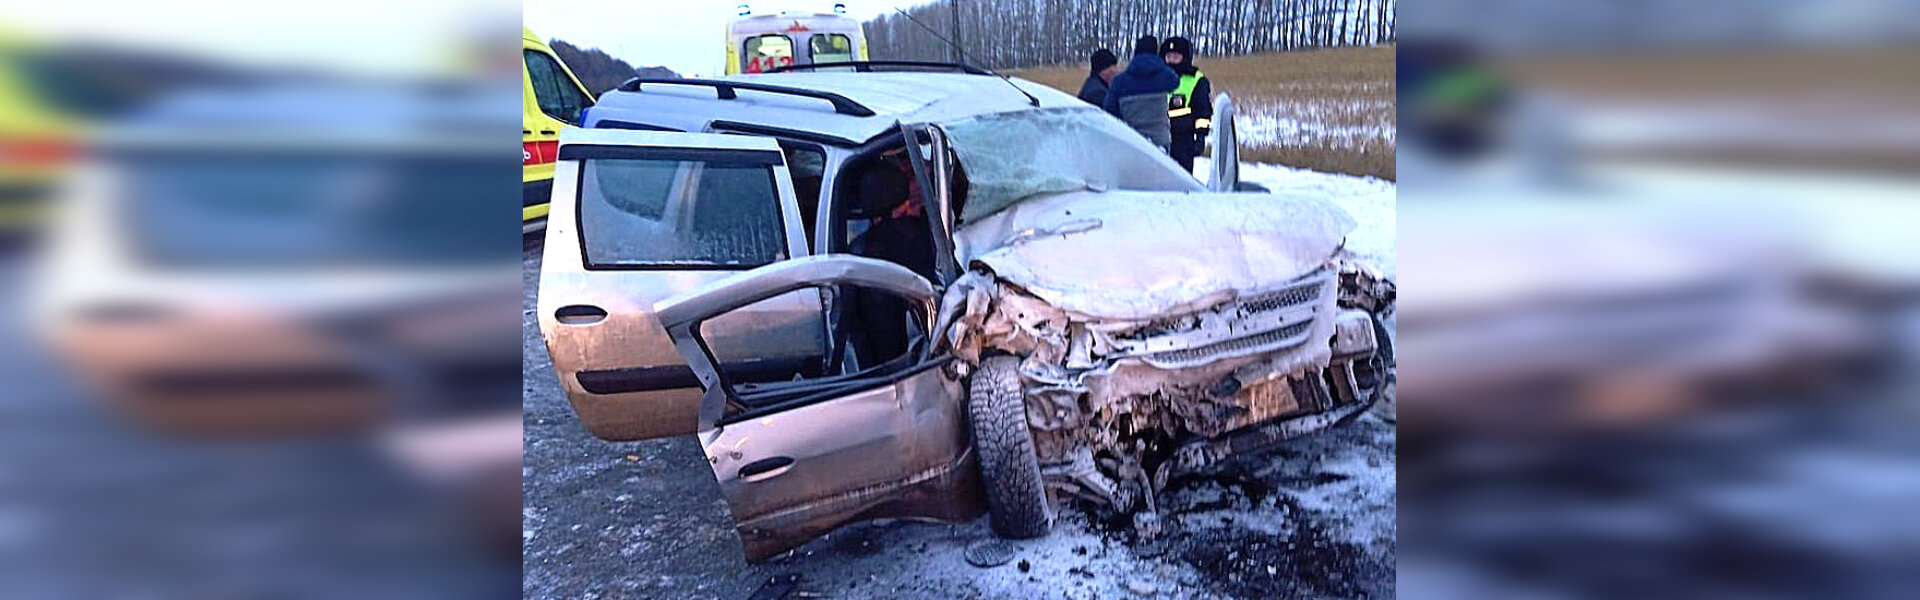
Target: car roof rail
<point>864,66</point>
<point>725,90</point>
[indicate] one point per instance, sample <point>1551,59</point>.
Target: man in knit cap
<point>1105,66</point>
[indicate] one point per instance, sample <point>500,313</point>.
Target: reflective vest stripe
<point>1180,102</point>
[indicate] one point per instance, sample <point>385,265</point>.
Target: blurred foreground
<point>1658,325</point>
<point>256,317</point>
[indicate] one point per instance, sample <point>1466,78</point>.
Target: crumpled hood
<point>1127,255</point>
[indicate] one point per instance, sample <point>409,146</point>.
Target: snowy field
<point>1350,123</point>
<point>1359,119</point>
<point>1328,110</point>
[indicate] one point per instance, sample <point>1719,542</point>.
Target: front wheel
<point>1009,469</point>
<point>1375,374</point>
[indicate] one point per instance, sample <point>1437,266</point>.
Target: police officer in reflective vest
<point>1191,105</point>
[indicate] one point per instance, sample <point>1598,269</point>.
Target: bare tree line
<point>1021,33</point>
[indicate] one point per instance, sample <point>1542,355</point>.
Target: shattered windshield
<point>1013,155</point>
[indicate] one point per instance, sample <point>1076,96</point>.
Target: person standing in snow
<point>1138,95</point>
<point>1190,107</point>
<point>1105,66</point>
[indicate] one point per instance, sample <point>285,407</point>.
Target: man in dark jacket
<point>1190,107</point>
<point>1138,95</point>
<point>1105,66</point>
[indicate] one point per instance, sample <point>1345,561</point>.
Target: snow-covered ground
<point>1371,201</point>
<point>1348,123</point>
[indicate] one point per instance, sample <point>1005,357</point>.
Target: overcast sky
<point>688,36</point>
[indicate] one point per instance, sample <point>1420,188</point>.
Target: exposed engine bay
<point>1118,407</point>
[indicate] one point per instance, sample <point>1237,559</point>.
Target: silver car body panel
<point>1106,255</point>
<point>893,97</point>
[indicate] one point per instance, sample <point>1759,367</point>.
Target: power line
<point>956,47</point>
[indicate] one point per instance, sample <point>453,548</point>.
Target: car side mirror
<point>1225,174</point>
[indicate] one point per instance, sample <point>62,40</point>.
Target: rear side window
<point>767,52</point>
<point>667,208</point>
<point>831,47</point>
<point>553,90</point>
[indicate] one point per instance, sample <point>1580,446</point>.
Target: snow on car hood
<point>1128,255</point>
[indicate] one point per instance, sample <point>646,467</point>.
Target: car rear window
<point>667,208</point>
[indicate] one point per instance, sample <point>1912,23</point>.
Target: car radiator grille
<point>1263,323</point>
<point>1290,335</point>
<point>1293,296</point>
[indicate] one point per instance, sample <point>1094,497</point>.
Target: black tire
<point>1375,371</point>
<point>1376,374</point>
<point>1009,469</point>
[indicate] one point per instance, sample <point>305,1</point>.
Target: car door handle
<point>579,314</point>
<point>546,132</point>
<point>766,468</point>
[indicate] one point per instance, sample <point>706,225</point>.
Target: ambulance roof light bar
<point>743,9</point>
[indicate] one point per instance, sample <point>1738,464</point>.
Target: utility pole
<point>958,56</point>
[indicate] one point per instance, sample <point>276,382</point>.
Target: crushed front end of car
<point>1149,347</point>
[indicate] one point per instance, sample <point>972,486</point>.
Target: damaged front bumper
<point>1117,408</point>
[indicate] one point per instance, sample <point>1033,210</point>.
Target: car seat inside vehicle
<point>885,201</point>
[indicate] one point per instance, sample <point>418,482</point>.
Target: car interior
<point>806,164</point>
<point>873,333</point>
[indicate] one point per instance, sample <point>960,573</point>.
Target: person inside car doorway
<point>897,232</point>
<point>1105,66</point>
<point>1189,108</point>
<point>1138,95</point>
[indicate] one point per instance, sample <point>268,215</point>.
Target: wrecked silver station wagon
<point>932,295</point>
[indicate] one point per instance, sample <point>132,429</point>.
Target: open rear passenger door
<point>639,216</point>
<point>797,456</point>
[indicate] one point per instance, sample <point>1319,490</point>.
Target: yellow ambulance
<point>551,98</point>
<point>761,42</point>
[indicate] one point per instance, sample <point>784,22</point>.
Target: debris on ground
<point>991,553</point>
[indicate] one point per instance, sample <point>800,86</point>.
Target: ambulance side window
<point>558,96</point>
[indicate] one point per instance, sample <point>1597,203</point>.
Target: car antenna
<point>1030,98</point>
<point>963,55</point>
